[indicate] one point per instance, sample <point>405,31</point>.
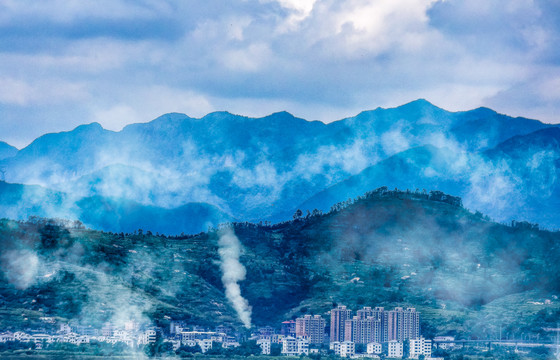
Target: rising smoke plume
<point>233,272</point>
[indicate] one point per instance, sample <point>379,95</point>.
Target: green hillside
<point>464,273</point>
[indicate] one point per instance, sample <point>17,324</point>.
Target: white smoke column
<point>233,272</point>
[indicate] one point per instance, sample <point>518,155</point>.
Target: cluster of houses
<point>371,333</point>
<point>129,334</point>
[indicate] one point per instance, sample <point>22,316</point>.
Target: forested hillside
<point>386,248</point>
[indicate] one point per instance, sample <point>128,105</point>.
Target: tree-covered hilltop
<point>465,273</point>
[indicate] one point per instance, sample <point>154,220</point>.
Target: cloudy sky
<point>69,62</point>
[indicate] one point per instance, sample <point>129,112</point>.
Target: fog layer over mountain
<point>264,169</point>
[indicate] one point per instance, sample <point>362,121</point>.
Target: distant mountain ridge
<point>7,150</point>
<point>262,168</point>
<point>517,179</point>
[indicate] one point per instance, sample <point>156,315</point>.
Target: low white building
<point>120,333</point>
<point>149,336</point>
<point>295,347</point>
<point>39,339</point>
<point>198,335</point>
<point>347,349</point>
<point>7,336</point>
<point>176,344</point>
<point>21,336</point>
<point>344,348</point>
<point>190,343</point>
<point>230,344</point>
<point>205,345</point>
<point>448,344</point>
<point>75,339</point>
<point>265,346</point>
<point>419,347</point>
<point>108,329</point>
<point>395,349</point>
<point>374,348</point>
<point>365,356</point>
<point>131,326</point>
<point>65,329</point>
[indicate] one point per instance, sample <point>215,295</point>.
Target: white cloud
<point>251,59</point>
<point>298,11</point>
<point>19,92</point>
<point>238,26</point>
<point>145,104</point>
<point>300,6</point>
<point>360,25</point>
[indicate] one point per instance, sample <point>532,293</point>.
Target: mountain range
<point>230,167</point>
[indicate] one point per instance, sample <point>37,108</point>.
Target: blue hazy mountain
<point>7,150</point>
<point>533,164</point>
<point>108,213</point>
<point>420,122</point>
<point>517,179</point>
<point>20,201</point>
<point>121,215</point>
<point>417,168</point>
<point>261,168</point>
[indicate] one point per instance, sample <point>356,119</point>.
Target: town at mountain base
<point>465,274</point>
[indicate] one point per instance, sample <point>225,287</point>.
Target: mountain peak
<point>484,111</point>
<point>7,150</point>
<point>282,113</point>
<point>160,122</point>
<point>220,113</point>
<point>171,116</point>
<point>94,126</point>
<point>419,104</point>
<point>5,145</point>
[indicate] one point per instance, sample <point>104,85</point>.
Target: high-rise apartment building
<point>311,328</point>
<point>380,314</point>
<point>288,328</point>
<point>403,324</point>
<point>376,325</point>
<point>364,313</point>
<point>363,330</point>
<point>339,315</point>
